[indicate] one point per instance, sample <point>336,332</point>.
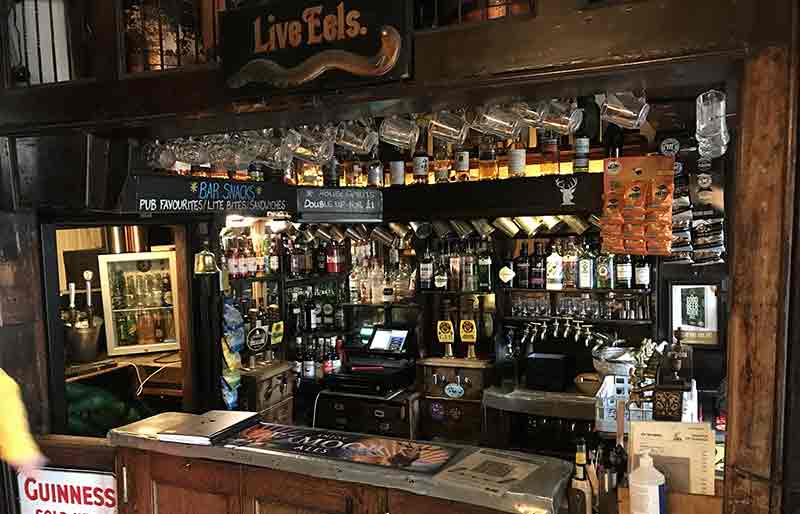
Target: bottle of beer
<point>580,493</point>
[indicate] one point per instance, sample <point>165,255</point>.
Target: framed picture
<point>695,311</point>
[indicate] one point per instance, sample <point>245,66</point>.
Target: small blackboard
<point>343,205</point>
<point>166,194</point>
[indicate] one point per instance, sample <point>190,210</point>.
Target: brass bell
<point>205,262</point>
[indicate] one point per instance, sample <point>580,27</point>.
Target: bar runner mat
<point>359,448</point>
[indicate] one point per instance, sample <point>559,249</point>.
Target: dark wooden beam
<point>765,178</point>
<point>611,44</point>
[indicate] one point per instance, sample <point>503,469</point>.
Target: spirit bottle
<point>487,159</point>
<point>624,272</point>
<point>332,172</point>
<point>308,174</point>
<point>605,271</point>
<point>274,255</point>
<point>309,373</point>
<point>462,165</point>
<point>456,261</point>
<point>506,273</point>
<point>421,159</point>
<point>642,273</point>
<point>485,268</point>
<point>441,276</point>
<point>426,271</point>
<point>538,268</point>
<point>321,258</point>
<point>570,261</point>
<point>550,164</point>
<point>586,269</point>
<point>580,163</point>
<point>375,172</point>
<point>398,173</point>
<point>555,270</point>
<point>376,280</point>
<point>522,268</point>
<point>469,270</point>
<point>516,158</point>
<point>441,164</point>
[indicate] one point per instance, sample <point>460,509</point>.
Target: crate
<point>617,388</point>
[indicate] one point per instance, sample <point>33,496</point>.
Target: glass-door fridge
<point>140,293</point>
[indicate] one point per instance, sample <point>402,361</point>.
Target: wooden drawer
<point>452,420</point>
<point>398,417</point>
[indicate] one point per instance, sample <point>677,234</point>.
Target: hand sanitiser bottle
<point>647,488</point>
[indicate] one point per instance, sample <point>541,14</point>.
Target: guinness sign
<point>316,43</point>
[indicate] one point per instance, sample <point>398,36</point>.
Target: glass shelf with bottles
<point>377,281</point>
<point>573,264</point>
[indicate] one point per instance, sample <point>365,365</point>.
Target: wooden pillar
<point>760,262</point>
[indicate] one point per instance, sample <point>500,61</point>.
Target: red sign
<point>56,491</point>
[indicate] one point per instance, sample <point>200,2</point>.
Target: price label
<point>445,331</point>
<point>469,333</point>
<point>276,332</point>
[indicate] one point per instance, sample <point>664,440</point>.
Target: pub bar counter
<point>160,477</point>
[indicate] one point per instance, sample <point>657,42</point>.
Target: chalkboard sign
<point>316,44</point>
<point>344,205</point>
<point>164,194</point>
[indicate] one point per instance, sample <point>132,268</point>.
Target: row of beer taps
<point>565,329</point>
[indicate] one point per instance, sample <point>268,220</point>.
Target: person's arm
<point>17,446</point>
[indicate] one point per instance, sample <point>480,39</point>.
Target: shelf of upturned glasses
<point>599,321</point>
<point>578,291</point>
<point>137,309</point>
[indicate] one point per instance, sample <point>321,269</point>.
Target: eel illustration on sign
<point>270,72</point>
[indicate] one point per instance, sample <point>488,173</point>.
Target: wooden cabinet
<point>152,483</point>
<point>268,491</point>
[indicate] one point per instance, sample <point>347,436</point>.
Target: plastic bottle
<point>647,488</point>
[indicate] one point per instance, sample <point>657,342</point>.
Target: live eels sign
<point>317,44</point>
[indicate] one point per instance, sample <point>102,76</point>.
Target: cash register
<point>383,366</point>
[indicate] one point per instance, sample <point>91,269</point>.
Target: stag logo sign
<point>55,491</point>
<point>327,43</point>
<point>567,188</point>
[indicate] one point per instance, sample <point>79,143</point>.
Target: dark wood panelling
<point>52,170</point>
<point>407,503</point>
<point>64,451</point>
<point>561,36</point>
<point>329,496</point>
<point>756,334</point>
<point>23,353</point>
